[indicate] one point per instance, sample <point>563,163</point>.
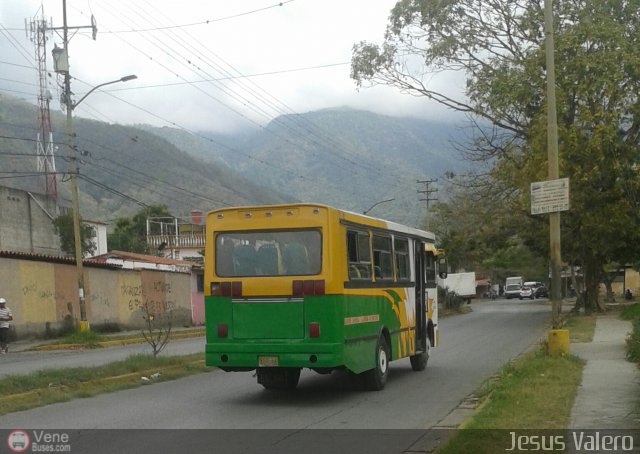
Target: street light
<point>376,204</point>
<point>75,205</point>
<point>122,79</point>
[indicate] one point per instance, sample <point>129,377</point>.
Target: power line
<point>206,22</point>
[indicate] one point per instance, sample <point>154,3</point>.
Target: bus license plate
<point>267,361</point>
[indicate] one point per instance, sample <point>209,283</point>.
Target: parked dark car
<point>541,292</point>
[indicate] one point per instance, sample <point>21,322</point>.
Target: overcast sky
<point>190,56</point>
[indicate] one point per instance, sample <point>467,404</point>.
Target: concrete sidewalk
<point>609,396</point>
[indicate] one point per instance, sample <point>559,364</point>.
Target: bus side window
<point>430,269</point>
<point>403,265</point>
<point>382,262</point>
<point>358,255</point>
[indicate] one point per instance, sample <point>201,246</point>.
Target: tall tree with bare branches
<point>499,45</point>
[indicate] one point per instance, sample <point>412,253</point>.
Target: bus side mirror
<point>443,266</point>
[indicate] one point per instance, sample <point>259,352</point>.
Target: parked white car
<point>526,292</point>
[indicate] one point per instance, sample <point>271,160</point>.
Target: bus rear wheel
<point>375,379</point>
<point>279,378</point>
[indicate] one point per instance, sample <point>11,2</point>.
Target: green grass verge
<point>87,339</point>
<point>22,392</point>
<point>535,391</point>
<point>633,343</point>
<point>631,312</point>
<point>91,339</point>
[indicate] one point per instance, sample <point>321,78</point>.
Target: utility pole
<point>554,173</point>
<point>428,192</point>
<point>61,62</point>
<point>62,67</point>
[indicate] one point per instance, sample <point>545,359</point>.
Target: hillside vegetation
<point>122,165</point>
<point>342,157</point>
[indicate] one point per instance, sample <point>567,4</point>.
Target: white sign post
<point>550,196</point>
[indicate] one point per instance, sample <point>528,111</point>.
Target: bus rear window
<point>268,253</point>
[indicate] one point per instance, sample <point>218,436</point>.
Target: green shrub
<point>631,312</point>
<point>449,298</point>
<point>86,338</point>
<point>633,343</point>
<point>106,327</point>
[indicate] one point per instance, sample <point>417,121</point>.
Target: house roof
<point>54,259</point>
<point>133,256</point>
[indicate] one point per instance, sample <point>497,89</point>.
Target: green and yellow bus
<point>310,286</point>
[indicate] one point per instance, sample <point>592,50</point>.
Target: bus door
<point>421,307</point>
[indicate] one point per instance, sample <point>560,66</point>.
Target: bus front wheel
<point>279,378</point>
<point>376,378</point>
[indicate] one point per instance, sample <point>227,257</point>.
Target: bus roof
<point>346,215</point>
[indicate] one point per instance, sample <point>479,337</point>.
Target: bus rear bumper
<point>246,357</point>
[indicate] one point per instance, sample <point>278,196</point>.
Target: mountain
<point>343,157</point>
<point>121,167</point>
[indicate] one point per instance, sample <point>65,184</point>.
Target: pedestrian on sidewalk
<point>5,318</point>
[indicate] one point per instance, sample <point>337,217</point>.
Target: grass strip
<point>89,339</point>
<point>519,396</point>
<point>535,391</point>
<point>22,392</point>
<point>581,327</point>
<point>631,312</point>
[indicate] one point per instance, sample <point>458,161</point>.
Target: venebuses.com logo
<point>38,441</point>
<point>18,441</point>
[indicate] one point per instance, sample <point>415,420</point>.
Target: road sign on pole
<point>550,196</point>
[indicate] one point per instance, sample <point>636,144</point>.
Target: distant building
<point>100,238</point>
<point>26,222</point>
<point>177,238</point>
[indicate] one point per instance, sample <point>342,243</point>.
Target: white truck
<point>464,284</point>
<point>512,287</point>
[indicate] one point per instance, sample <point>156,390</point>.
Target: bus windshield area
<point>268,253</point>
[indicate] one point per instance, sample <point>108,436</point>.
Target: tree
<point>130,234</point>
<point>499,44</point>
<point>63,226</point>
<point>158,323</point>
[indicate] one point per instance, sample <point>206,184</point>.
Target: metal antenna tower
<point>44,139</point>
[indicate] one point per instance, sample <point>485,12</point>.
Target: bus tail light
<point>314,329</point>
<point>236,289</point>
<point>223,330</point>
<point>233,289</point>
<point>308,287</point>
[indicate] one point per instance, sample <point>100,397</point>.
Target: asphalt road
<point>473,347</point>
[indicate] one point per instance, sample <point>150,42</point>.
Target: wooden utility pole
<point>554,172</point>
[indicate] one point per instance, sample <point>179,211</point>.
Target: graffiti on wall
<point>45,294</point>
<point>156,301</point>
